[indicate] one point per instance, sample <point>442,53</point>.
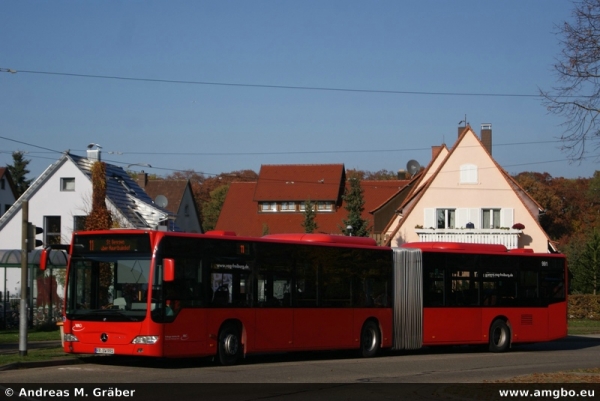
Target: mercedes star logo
<point>104,337</point>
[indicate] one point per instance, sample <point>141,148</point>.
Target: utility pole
<point>24,281</point>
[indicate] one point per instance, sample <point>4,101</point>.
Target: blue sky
<point>431,46</point>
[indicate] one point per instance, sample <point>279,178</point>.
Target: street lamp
<point>349,229</point>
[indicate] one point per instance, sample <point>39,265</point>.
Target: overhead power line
<point>266,86</point>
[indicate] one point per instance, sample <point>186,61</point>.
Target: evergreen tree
<point>353,196</point>
<point>309,223</point>
<point>585,264</point>
<point>212,209</point>
<point>18,171</point>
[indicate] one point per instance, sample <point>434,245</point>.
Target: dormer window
<point>288,206</point>
<point>268,206</point>
<point>324,206</point>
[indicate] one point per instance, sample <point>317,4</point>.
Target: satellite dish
<point>413,167</point>
<point>161,201</point>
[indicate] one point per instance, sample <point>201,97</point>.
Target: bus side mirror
<point>168,270</point>
<point>44,259</point>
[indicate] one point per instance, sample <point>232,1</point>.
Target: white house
<point>465,196</point>
<point>8,193</point>
<point>61,198</point>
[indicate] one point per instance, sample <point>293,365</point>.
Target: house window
<point>468,174</point>
<point>6,207</point>
<point>2,183</point>
<point>446,218</point>
<point>51,230</point>
<point>324,206</point>
<point>268,207</point>
<point>490,218</point>
<point>67,184</point>
<point>288,206</point>
<point>79,223</point>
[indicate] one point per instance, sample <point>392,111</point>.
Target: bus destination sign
<point>112,243</point>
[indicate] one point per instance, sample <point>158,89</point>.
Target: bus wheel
<point>230,346</point>
<point>499,336</point>
<point>369,340</point>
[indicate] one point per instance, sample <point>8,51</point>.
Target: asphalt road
<point>429,365</point>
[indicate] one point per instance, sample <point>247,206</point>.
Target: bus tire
<point>230,346</point>
<point>370,340</point>
<point>499,336</point>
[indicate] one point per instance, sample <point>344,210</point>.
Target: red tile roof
<point>378,192</point>
<point>240,212</point>
<point>294,182</point>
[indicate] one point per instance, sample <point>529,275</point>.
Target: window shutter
<point>507,217</point>
<point>468,174</point>
<point>429,221</point>
<point>462,217</point>
<point>475,217</point>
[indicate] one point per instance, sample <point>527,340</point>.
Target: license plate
<point>104,350</point>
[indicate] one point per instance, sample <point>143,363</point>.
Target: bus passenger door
<point>274,316</point>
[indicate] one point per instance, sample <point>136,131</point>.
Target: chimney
<point>94,154</point>
<point>461,129</point>
<point>142,179</point>
<point>486,136</point>
<point>401,174</point>
<point>435,150</point>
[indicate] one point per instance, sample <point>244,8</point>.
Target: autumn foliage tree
<point>100,219</point>
<point>203,186</point>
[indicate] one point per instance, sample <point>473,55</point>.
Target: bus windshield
<point>108,287</point>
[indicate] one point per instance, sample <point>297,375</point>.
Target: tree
<point>309,223</point>
<point>212,209</point>
<point>584,263</point>
<point>18,171</point>
<point>577,96</point>
<point>353,196</point>
<point>203,186</point>
<point>100,217</point>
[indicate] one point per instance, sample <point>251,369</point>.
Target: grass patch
<point>35,355</point>
<point>12,336</point>
<point>583,326</point>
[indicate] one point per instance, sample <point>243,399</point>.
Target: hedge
<point>584,307</point>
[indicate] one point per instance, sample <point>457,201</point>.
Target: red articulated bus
<point>165,294</point>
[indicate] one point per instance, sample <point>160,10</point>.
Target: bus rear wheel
<point>499,336</point>
<point>230,346</point>
<point>370,340</point>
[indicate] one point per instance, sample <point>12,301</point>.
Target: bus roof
<point>457,247</point>
<point>323,238</point>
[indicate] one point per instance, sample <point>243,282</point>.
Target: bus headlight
<point>70,338</point>
<point>145,340</point>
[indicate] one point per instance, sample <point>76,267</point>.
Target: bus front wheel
<point>499,336</point>
<point>230,346</point>
<point>370,340</point>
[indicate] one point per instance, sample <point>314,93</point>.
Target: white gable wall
<point>7,198</point>
<point>49,200</point>
<point>187,217</point>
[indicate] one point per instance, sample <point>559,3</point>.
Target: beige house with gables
<point>465,196</point>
